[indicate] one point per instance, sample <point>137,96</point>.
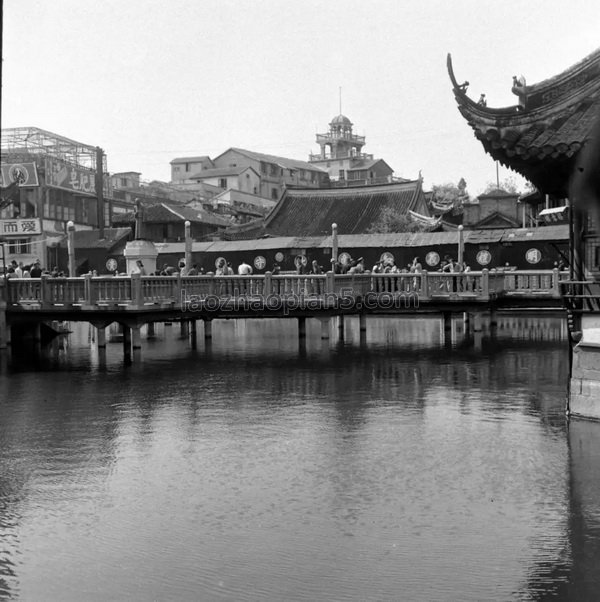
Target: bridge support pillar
<point>301,328</point>
<point>193,333</point>
<point>184,327</point>
<point>150,330</point>
<point>208,328</point>
<point>341,327</point>
<point>362,323</point>
<point>447,318</point>
<point>101,337</point>
<point>126,344</point>
<point>584,386</point>
<point>493,317</point>
<point>325,327</point>
<point>477,322</point>
<point>4,329</point>
<point>136,341</point>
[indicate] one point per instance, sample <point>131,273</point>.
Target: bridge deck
<point>161,297</point>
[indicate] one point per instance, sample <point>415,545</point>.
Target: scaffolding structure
<point>35,141</point>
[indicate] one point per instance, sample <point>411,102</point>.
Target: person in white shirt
<point>244,269</point>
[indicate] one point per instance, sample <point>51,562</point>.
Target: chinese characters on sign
<point>20,227</point>
<point>70,177</point>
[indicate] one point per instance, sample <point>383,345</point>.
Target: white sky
<point>151,80</point>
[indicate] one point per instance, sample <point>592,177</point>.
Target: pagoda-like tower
<point>341,141</point>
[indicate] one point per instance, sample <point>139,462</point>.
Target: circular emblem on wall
<point>220,262</point>
<point>432,258</point>
<point>260,262</point>
<point>386,257</point>
<point>279,257</point>
<point>533,255</point>
<point>111,264</point>
<point>344,258</point>
<point>300,260</point>
<point>18,173</point>
<point>484,257</point>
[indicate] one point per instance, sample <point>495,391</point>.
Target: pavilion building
<point>542,137</point>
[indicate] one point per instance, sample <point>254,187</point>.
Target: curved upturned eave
<point>531,140</point>
<point>516,116</point>
<point>472,106</point>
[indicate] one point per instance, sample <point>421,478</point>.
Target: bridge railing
<point>140,291</point>
<point>532,283</point>
<point>581,296</point>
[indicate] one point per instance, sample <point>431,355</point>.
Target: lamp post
<point>461,245</point>
<point>334,243</point>
<point>188,246</point>
<point>71,248</point>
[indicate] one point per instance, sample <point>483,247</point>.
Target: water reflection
<point>256,467</point>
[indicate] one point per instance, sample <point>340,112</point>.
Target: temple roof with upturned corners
<point>540,136</point>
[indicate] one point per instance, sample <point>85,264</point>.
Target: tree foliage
<point>391,220</point>
<point>450,194</point>
<point>507,185</point>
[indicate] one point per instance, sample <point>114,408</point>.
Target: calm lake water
<point>401,467</point>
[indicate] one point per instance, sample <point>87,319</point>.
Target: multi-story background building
<point>48,180</point>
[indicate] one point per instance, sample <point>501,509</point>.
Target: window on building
<point>46,207</point>
<point>188,167</point>
<point>274,170</point>
<point>302,174</point>
<point>222,182</point>
<point>69,209</point>
<point>263,167</point>
<point>341,174</point>
<point>274,194</point>
<point>19,246</point>
<point>123,182</point>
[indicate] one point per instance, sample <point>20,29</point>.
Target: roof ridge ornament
<point>519,87</point>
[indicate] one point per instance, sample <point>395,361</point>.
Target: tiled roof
<point>89,239</point>
<point>560,232</point>
<point>199,216</point>
<point>191,159</point>
<point>220,171</point>
<point>357,241</point>
<point>311,212</point>
<point>252,229</point>
<point>281,161</point>
<point>161,213</point>
<point>497,220</point>
<point>361,165</point>
<point>540,136</point>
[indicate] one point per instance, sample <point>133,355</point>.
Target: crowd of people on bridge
<point>33,270</point>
